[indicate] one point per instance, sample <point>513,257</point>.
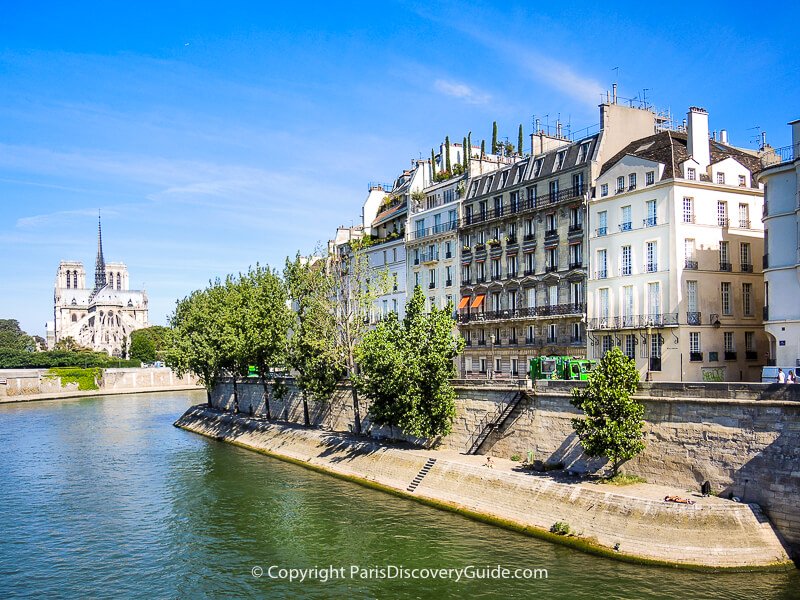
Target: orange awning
<point>478,300</point>
<point>463,303</point>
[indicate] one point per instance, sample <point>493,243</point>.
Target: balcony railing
<point>428,257</point>
<point>448,283</point>
<point>746,268</point>
<point>729,355</point>
<point>651,267</point>
<point>481,279</point>
<point>577,264</point>
<point>601,274</point>
<point>693,318</point>
<point>575,228</point>
<point>511,240</point>
<point>650,221</point>
<point>634,321</point>
<point>696,356</point>
<point>529,272</point>
<point>725,266</point>
<point>625,270</point>
<point>601,231</point>
<point>551,233</point>
<point>513,207</point>
<point>496,276</point>
<point>750,355</point>
<point>744,224</point>
<point>481,342</point>
<point>434,230</point>
<point>521,313</point>
<point>431,285</point>
<point>780,155</point>
<point>510,274</point>
<point>690,264</point>
<point>625,226</point>
<point>512,341</point>
<point>529,237</point>
<point>550,268</point>
<point>723,221</point>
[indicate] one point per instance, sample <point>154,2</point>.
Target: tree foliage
<point>520,145</point>
<point>448,166</point>
<point>149,344</point>
<point>495,147</point>
<point>312,353</point>
<point>406,369</point>
<point>612,421</point>
<point>13,338</point>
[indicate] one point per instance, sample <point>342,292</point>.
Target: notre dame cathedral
<point>101,317</point>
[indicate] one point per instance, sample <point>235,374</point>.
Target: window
<point>552,334</point>
<point>744,256</point>
<point>394,305</point>
<point>724,256</point>
<point>655,352</point>
<point>575,218</point>
<point>529,229</point>
<point>512,266</point>
<point>625,225</point>
<point>119,282</point>
<point>495,268</point>
<point>747,299</point>
<point>694,343</point>
<point>394,282</point>
<point>722,213</point>
<point>560,158</point>
<point>689,253</point>
<point>513,203</point>
<point>626,260</point>
<point>531,299</point>
<point>551,259</point>
<point>498,206</point>
<point>69,279</point>
<point>394,254</point>
<point>602,223</point>
<point>416,256</point>
<point>607,344</point>
<point>688,210</point>
<point>721,178</point>
<point>744,216</point>
<point>530,263</point>
<point>630,346</point>
<point>496,304</point>
<point>691,174</point>
<point>627,306</point>
<point>448,273</point>
<point>654,301</point>
<point>575,255</point>
<point>552,295</point>
<point>448,249</point>
<point>537,167</point>
<point>651,220</point>
<point>650,178</point>
<point>481,271</point>
<point>727,340</point>
<point>511,298</point>
<point>651,252</point>
<point>620,184</point>
<point>604,189</point>
<point>602,264</point>
<point>604,305</point>
<point>419,228</point>
<point>416,278</point>
<point>583,152</point>
<point>742,180</point>
<point>632,181</point>
<point>576,292</point>
<point>551,221</point>
<point>749,341</point>
<point>725,289</point>
<point>384,257</point>
<point>465,274</point>
<point>691,302</point>
<point>553,190</point>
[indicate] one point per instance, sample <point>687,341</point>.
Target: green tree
<point>406,369</point>
<point>312,354</point>
<point>433,164</point>
<point>355,288</point>
<point>520,145</point>
<point>483,148</point>
<point>495,147</point>
<point>448,167</point>
<point>194,341</point>
<point>142,347</point>
<point>612,421</point>
<point>13,338</point>
<point>266,319</point>
<point>465,154</point>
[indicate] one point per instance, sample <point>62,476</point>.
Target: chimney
<point>723,136</point>
<point>697,136</point>
<point>614,93</point>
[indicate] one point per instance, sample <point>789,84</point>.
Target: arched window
<point>68,279</point>
<point>74,318</point>
<point>119,282</point>
<point>75,279</point>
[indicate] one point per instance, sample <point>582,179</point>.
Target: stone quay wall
<point>744,439</point>
<point>23,384</point>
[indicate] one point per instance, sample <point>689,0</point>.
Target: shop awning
<point>463,303</point>
<point>478,300</point>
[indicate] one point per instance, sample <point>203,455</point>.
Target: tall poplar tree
<point>448,166</point>
<point>519,141</point>
<point>465,154</point>
<point>433,164</point>
<point>495,147</point>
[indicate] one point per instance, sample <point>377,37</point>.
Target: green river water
<point>104,498</point>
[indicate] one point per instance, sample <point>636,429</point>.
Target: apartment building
<point>781,179</point>
<point>522,243</point>
<point>673,233</point>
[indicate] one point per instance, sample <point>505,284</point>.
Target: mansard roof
<point>670,149</point>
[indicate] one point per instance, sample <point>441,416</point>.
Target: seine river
<point>104,498</point>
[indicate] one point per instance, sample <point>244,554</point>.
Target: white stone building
<point>673,237</point>
<point>781,179</point>
<point>102,317</point>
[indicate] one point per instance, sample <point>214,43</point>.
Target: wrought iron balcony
<point>431,285</point>
<point>723,221</point>
<point>511,274</point>
<point>651,267</point>
<point>448,283</point>
<point>625,270</point>
<point>575,228</point>
<point>696,356</point>
<point>551,233</point>
<point>650,221</point>
<point>690,264</point>
<point>529,237</point>
<point>550,268</point>
<point>601,274</point>
<point>496,276</point>
<point>601,231</point>
<point>627,226</point>
<point>693,318</point>
<point>744,223</point>
<point>730,355</point>
<point>481,279</point>
<point>576,264</point>
<point>746,268</point>
<point>725,266</point>
<point>511,240</point>
<point>750,355</point>
<point>481,342</point>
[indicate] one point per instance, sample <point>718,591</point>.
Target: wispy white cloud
<point>462,91</point>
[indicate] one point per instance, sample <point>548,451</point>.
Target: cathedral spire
<point>100,264</point>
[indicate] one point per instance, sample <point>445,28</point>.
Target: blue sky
<point>215,135</point>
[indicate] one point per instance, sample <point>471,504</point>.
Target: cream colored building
<point>101,317</point>
<point>675,243</point>
<point>781,179</point>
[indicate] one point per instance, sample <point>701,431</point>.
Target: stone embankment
<point>635,523</point>
<point>26,385</point>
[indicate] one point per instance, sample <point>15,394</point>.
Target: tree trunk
<point>356,411</point>
<point>306,419</point>
<point>235,395</point>
<point>208,398</point>
<point>266,392</point>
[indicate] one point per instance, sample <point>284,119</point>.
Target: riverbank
<point>632,523</point>
<point>67,394</point>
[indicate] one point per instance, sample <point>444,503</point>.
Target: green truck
<point>560,367</point>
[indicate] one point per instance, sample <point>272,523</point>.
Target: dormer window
<point>632,181</point>
<point>742,181</point>
<point>560,156</point>
<point>620,184</point>
<point>537,167</point>
<point>721,178</point>
<point>489,183</point>
<point>604,189</point>
<point>503,178</point>
<point>691,174</point>
<point>650,178</point>
<point>473,189</point>
<point>583,152</point>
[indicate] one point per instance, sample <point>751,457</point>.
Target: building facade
<point>101,317</point>
<point>673,234</point>
<point>781,217</point>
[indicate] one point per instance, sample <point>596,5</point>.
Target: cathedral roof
<point>106,296</point>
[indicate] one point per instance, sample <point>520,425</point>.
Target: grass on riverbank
<point>622,479</point>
